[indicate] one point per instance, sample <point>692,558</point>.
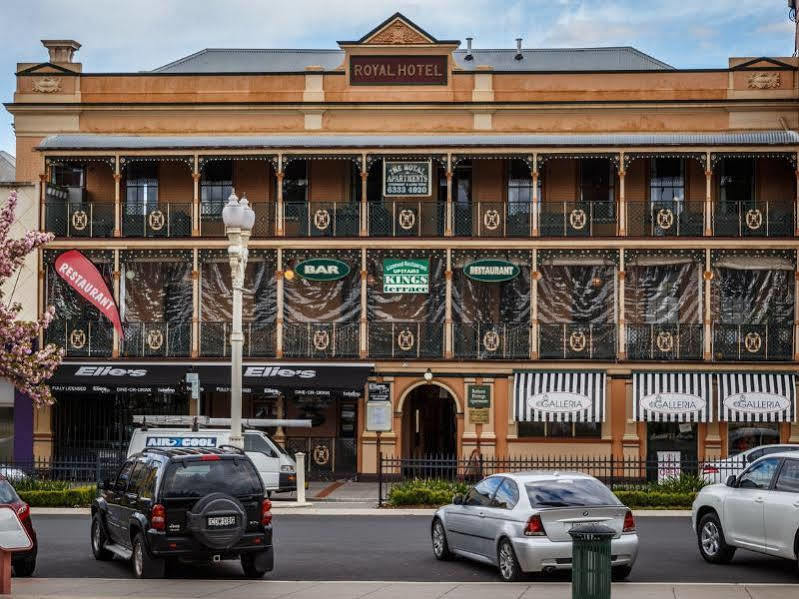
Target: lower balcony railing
<point>322,219</point>
<point>156,339</point>
<point>752,342</point>
<point>83,219</point>
<point>259,339</point>
<point>492,219</point>
<point>159,220</point>
<point>488,341</point>
<point>406,340</point>
<point>665,219</point>
<point>754,219</point>
<point>577,341</point>
<point>81,338</point>
<point>664,341</point>
<point>578,219</point>
<point>321,340</point>
<point>407,218</point>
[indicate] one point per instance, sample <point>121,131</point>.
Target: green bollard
<point>591,561</point>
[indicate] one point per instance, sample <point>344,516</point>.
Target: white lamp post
<point>239,220</point>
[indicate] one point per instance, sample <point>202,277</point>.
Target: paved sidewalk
<point>243,589</point>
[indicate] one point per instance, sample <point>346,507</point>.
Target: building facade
<point>587,252</point>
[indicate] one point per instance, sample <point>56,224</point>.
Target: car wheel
<point>712,546</point>
<point>440,545</point>
<point>618,573</point>
<point>144,565</point>
<point>24,568</point>
<point>249,567</point>
<point>509,568</point>
<point>99,540</point>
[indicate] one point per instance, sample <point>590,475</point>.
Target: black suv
<point>189,505</point>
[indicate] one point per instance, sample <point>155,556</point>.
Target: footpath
<point>66,588</point>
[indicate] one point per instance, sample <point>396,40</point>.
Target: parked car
<point>520,522</point>
<point>757,510</point>
<point>720,470</point>
<point>23,562</point>
<point>184,505</point>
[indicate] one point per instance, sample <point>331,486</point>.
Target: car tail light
<point>629,522</point>
<point>158,517</point>
<point>209,457</point>
<point>23,511</point>
<point>534,528</point>
<point>266,512</point>
<point>710,470</point>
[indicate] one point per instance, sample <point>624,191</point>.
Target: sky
<point>136,35</point>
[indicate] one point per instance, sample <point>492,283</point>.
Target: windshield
<point>7,493</point>
<point>569,493</point>
<point>198,478</point>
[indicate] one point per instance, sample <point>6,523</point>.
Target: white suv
<point>757,510</point>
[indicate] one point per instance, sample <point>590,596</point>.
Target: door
<point>744,514</point>
<point>266,460</point>
<point>497,516</point>
<point>115,499</point>
<point>469,523</point>
<point>782,510</point>
<point>128,502</point>
<point>671,449</point>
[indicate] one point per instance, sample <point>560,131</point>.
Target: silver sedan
<point>520,522</point>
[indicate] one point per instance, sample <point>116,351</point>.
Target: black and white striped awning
<point>757,397</point>
<point>558,396</point>
<point>672,396</point>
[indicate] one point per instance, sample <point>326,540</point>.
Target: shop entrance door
<point>671,449</point>
<point>429,419</point>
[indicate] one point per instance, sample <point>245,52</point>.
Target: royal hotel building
<point>528,252</point>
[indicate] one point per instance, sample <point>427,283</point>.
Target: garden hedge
<point>76,497</point>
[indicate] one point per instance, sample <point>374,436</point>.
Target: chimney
<point>61,51</point>
<point>468,49</point>
<point>519,54</point>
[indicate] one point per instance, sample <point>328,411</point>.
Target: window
<point>667,182</point>
<point>746,435</point>
<point>736,184</point>
<point>461,184</point>
<point>295,182</point>
<point>507,495</point>
<point>256,443</point>
<point>67,176</point>
<point>147,490</point>
<point>759,476</point>
<point>520,183</point>
<point>196,478</point>
<point>560,429</point>
<point>137,477</point>
<point>481,493</point>
<point>141,188</point>
<point>597,187</point>
<point>565,492</point>
<point>7,493</point>
<point>216,186</point>
<point>123,478</point>
<point>788,480</point>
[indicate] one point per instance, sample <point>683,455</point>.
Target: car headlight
<point>287,468</point>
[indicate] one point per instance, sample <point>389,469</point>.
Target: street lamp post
<point>239,220</point>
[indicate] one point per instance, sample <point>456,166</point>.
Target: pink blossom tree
<point>26,368</point>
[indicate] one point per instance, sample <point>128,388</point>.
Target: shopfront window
<point>746,435</point>
<point>560,430</point>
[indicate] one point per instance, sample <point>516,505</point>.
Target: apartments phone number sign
<point>407,178</point>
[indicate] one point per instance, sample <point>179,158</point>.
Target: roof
<point>95,142</point>
<point>232,60</point>
<point>535,475</point>
<point>8,167</point>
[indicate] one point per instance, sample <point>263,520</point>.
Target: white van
<point>276,467</point>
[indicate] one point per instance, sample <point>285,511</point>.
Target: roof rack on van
<point>188,451</point>
<point>197,422</point>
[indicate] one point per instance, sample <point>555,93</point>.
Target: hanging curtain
<point>406,307</point>
<point>506,302</point>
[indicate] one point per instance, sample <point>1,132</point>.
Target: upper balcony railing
<point>578,219</point>
<point>156,340</point>
<point>321,340</point>
<point>754,219</point>
<point>407,218</point>
<point>165,219</point>
<point>322,219</point>
<point>406,340</point>
<point>259,339</point>
<point>674,218</point>
<point>67,218</point>
<point>211,224</point>
<point>492,219</point>
<point>572,341</point>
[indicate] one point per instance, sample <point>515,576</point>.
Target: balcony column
<point>448,228</point>
<point>796,313</point>
<point>448,353</point>
<point>364,198</point>
<point>115,344</point>
<point>622,275</point>
<point>708,327</point>
<point>279,220</point>
<point>44,177</point>
<point>534,276</point>
<point>117,202</point>
<point>796,209</point>
<point>534,218</point>
<point>195,304</point>
<point>279,293</point>
<point>362,331</point>
<point>195,202</point>
<point>708,197</point>
<point>622,200</point>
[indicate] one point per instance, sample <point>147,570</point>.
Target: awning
<point>559,396</point>
<point>757,397</point>
<point>672,396</point>
<point>298,379</point>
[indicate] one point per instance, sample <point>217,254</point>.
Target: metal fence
<point>88,468</point>
<point>619,474</point>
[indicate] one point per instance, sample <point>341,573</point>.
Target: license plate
<point>221,521</point>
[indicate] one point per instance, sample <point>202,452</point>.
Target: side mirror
<point>457,499</point>
<point>731,481</point>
